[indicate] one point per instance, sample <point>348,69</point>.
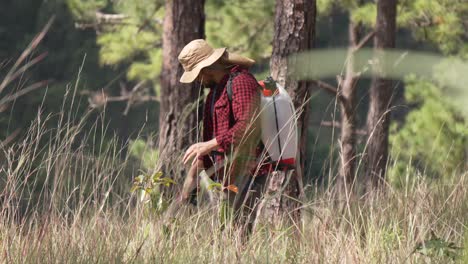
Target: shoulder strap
<point>229,85</point>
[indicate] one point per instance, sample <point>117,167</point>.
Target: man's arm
<point>190,182</point>
<point>198,150</point>
<point>245,106</point>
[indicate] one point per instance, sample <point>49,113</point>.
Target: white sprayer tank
<point>279,125</point>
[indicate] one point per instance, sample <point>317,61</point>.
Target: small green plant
<point>225,210</point>
<point>148,188</point>
<point>438,247</point>
<point>218,187</point>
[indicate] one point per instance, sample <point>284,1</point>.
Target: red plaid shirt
<point>232,123</point>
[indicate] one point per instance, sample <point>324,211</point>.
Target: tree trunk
<point>294,32</point>
<point>348,116</point>
<point>381,91</point>
<point>183,22</point>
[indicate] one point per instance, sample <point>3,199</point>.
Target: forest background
<point>115,58</point>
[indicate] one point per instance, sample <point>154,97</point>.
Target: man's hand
<point>190,183</point>
<point>199,149</point>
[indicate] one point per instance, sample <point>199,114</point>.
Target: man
<point>230,132</point>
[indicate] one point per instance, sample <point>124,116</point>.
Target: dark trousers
<point>246,202</point>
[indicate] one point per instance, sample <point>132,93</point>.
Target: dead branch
<point>22,92</point>
<point>10,138</point>
<point>338,125</point>
<point>100,98</point>
<point>142,98</point>
<point>14,71</point>
<point>103,18</point>
<point>132,96</point>
<point>364,40</point>
<point>329,88</point>
<point>84,26</point>
<point>97,99</point>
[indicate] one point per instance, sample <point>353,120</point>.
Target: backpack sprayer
<point>279,124</point>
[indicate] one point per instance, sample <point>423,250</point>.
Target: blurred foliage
<point>442,22</point>
<point>135,40</point>
<point>245,26</point>
<point>144,151</point>
<point>360,11</point>
<point>434,136</point>
<point>72,54</point>
<point>86,9</point>
<point>66,51</point>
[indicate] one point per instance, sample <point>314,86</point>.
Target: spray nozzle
<point>270,84</point>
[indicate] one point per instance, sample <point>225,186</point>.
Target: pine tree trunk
<point>294,32</point>
<point>183,22</point>
<point>381,92</point>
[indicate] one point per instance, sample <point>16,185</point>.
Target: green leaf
<point>166,181</point>
<point>162,204</point>
<point>437,247</point>
<point>139,179</point>
<point>215,185</point>
<point>135,188</point>
<point>142,195</point>
<point>157,175</point>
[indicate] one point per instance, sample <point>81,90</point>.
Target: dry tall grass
<point>61,203</point>
<point>65,198</point>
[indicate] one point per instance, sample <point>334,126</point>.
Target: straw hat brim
<point>190,76</point>
<point>236,59</point>
<point>239,60</point>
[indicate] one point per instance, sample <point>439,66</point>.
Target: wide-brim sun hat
<point>198,54</point>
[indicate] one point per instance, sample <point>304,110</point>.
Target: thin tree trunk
<point>381,91</point>
<point>183,22</point>
<point>294,32</point>
<point>348,116</point>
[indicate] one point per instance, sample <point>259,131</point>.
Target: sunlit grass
<point>61,204</point>
<point>65,198</point>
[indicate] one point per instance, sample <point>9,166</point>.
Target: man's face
<point>206,78</point>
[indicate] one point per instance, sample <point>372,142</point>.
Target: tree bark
<point>348,116</point>
<point>294,32</point>
<point>178,120</point>
<point>381,91</point>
